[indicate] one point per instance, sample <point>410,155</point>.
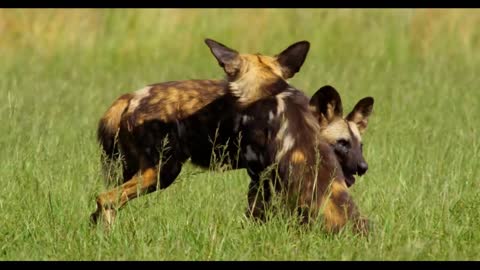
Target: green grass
<point>61,70</point>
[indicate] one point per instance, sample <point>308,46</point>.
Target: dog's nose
<point>362,168</point>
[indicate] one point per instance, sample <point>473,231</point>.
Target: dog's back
<point>192,109</point>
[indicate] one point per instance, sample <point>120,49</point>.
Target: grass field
<point>61,69</point>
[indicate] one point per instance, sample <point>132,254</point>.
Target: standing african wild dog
<point>190,114</point>
<point>309,158</point>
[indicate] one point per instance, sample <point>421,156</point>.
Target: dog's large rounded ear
<point>227,58</point>
<point>327,104</point>
<point>360,113</point>
<point>291,59</point>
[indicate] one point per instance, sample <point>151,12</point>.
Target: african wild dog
<point>308,158</point>
<point>343,134</point>
<point>157,128</point>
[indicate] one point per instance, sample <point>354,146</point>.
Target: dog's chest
<point>257,127</point>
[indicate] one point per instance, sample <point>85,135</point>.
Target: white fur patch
<point>250,155</point>
<point>236,123</point>
<point>260,157</point>
<point>281,132</point>
<point>181,129</point>
<point>281,102</point>
<point>241,89</point>
<point>287,144</point>
<point>270,116</point>
<point>234,86</point>
<point>138,96</point>
<point>285,94</point>
<point>280,105</point>
<point>246,119</point>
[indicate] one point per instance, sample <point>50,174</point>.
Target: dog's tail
<point>107,136</point>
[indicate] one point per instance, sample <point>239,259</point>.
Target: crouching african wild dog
<point>303,150</point>
<point>156,129</point>
<point>309,157</point>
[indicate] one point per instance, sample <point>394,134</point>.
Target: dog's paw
<point>104,216</point>
<point>363,226</point>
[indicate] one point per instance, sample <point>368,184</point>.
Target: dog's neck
<point>249,89</point>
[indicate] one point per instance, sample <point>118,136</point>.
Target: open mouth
<point>349,179</point>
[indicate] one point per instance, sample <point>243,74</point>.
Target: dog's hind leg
<point>148,180</point>
<point>130,166</point>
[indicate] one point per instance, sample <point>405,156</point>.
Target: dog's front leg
<point>259,195</point>
<point>339,208</point>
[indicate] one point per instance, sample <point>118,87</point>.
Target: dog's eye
<point>343,146</point>
<point>344,143</point>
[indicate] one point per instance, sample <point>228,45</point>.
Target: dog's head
<point>343,133</point>
<point>253,76</point>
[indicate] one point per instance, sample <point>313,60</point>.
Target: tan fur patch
<point>255,71</point>
<point>180,100</point>
<point>298,157</point>
<point>184,96</point>
<point>113,115</point>
<point>335,215</point>
<point>355,131</point>
<point>272,63</point>
<point>169,110</point>
<point>156,97</point>
<point>192,106</point>
<point>330,111</point>
<point>338,187</point>
<point>173,95</point>
<point>336,130</point>
<point>357,117</point>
